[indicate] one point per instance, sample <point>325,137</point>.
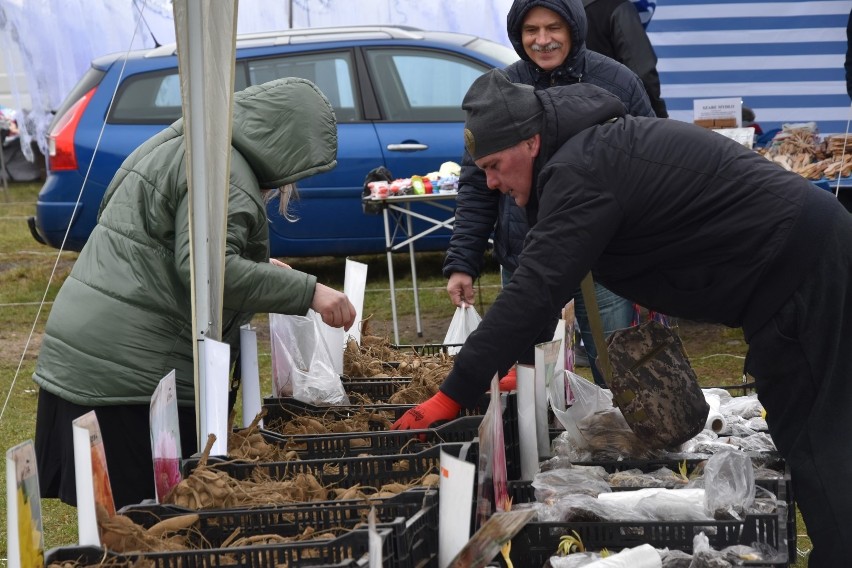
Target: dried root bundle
<point>249,444</point>
<point>121,534</point>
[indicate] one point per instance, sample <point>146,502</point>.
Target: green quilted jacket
<point>122,319</point>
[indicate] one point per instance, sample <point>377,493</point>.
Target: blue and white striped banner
<point>784,58</point>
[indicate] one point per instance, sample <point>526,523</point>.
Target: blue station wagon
<point>396,92</point>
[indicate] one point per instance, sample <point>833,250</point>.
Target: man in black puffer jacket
<point>549,35</point>
<point>689,223</point>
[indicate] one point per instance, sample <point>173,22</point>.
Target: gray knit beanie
<point>500,114</point>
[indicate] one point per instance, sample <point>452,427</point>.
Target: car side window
<point>332,72</point>
<point>422,85</point>
<point>148,98</point>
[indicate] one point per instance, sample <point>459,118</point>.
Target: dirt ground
<point>715,351</point>
<point>698,337</point>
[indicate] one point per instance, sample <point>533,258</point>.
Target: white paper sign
<point>249,376</point>
<point>528,436</point>
<point>455,496</point>
<point>714,109</point>
<point>215,385</point>
<point>165,437</point>
<point>92,477</point>
<point>559,335</point>
<point>354,285</point>
<point>24,535</point>
<point>547,357</point>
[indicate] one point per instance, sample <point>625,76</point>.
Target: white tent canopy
<point>55,40</point>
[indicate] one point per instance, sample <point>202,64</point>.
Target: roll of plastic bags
<point>715,420</point>
<point>631,498</point>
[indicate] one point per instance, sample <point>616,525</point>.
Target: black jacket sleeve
<point>633,49</point>
<point>573,228</point>
<point>476,213</point>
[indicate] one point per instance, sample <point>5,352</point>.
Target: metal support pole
<point>413,271</point>
<point>389,252</point>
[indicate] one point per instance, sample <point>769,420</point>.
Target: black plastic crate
<point>772,461</point>
<point>350,550</point>
<point>378,390</point>
<point>538,541</point>
<point>368,471</point>
<point>427,349</point>
<point>282,408</point>
<point>411,516</point>
<point>285,408</point>
<point>312,446</point>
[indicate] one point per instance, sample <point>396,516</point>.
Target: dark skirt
<point>127,443</point>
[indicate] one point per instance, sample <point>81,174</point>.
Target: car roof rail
<point>306,35</point>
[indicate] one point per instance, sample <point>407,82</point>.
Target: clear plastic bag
<point>302,366</point>
<point>556,483</point>
<point>728,484</point>
<point>581,508</point>
<point>588,398</point>
<point>747,406</point>
<point>464,321</point>
<point>663,477</point>
<point>492,492</point>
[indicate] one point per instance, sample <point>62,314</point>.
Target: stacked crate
<point>408,522</point>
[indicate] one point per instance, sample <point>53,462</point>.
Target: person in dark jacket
<point>848,64</point>
<point>615,31</point>
<point>123,318</point>
<point>645,9</point>
<point>549,36</point>
<point>686,222</point>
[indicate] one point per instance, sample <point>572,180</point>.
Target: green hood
<point>277,158</point>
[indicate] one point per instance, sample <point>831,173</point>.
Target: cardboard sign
<point>718,113</point>
<point>456,486</point>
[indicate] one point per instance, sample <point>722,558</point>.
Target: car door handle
<point>407,147</point>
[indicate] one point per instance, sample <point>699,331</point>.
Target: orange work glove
<point>439,407</point>
<point>510,381</point>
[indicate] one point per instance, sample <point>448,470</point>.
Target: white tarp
<point>57,39</point>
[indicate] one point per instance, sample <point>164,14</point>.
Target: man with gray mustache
<point>549,36</point>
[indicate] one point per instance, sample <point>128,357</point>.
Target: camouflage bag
<point>650,377</point>
<point>654,385</point>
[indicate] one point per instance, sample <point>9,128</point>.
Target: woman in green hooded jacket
<point>123,318</point>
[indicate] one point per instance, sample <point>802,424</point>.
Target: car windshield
<point>498,51</point>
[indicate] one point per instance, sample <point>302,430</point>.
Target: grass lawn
<point>31,274</point>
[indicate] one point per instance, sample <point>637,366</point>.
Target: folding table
<point>398,222</point>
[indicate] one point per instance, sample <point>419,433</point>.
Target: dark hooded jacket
<point>616,31</point>
<point>664,213</point>
<point>477,207</point>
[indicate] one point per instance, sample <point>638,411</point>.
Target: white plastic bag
<point>302,365</point>
<point>464,321</point>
